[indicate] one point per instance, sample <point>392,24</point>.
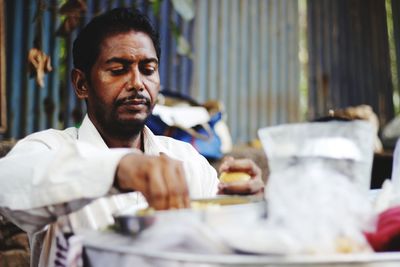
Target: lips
<point>135,104</point>
<point>136,101</point>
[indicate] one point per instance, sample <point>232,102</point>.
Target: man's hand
<point>159,178</point>
<point>253,186</point>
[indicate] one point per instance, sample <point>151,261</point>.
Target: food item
<point>229,177</point>
<point>203,204</point>
<point>207,203</point>
<point>145,212</point>
<point>346,245</point>
<point>197,205</point>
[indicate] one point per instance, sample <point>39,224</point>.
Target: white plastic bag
<point>321,209</point>
<point>343,146</point>
<point>318,188</point>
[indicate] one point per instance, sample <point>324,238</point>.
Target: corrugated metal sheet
<point>31,108</point>
<point>348,56</point>
<point>246,55</point>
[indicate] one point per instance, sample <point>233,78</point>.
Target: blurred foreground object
<point>386,237</point>
<point>342,146</point>
<point>317,193</point>
<point>361,112</point>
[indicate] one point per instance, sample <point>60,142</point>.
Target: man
<point>78,176</point>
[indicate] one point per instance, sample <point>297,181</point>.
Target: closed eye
<point>119,71</point>
<point>148,68</point>
<point>148,71</point>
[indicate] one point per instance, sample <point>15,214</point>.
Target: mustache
<point>128,99</point>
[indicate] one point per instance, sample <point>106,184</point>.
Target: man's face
<point>124,83</point>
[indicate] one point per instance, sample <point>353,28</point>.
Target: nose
<point>135,80</point>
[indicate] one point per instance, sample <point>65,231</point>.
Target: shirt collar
<point>152,145</point>
<point>88,133</point>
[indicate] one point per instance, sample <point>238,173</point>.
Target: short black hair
<point>86,46</point>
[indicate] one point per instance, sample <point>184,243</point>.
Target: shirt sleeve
<point>202,177</point>
<point>210,178</point>
<point>46,176</point>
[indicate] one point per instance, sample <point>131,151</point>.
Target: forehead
<point>130,44</point>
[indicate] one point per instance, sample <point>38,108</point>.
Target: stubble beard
<point>114,126</point>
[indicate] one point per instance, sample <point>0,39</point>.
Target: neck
<point>126,138</point>
<point>115,142</point>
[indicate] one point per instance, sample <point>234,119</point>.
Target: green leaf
<point>183,46</point>
<point>155,6</point>
<point>185,8</point>
<point>175,31</point>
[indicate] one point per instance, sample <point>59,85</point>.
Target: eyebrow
<point>124,61</point>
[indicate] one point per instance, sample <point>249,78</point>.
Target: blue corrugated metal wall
<point>245,54</point>
<point>247,57</point>
<point>349,56</point>
<point>31,108</point>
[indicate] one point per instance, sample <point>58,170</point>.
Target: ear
<point>80,83</point>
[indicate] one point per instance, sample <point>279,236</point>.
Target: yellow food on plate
<point>346,245</point>
<point>229,177</point>
<point>202,204</point>
<point>145,212</point>
<point>197,205</point>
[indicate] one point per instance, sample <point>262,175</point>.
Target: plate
<point>217,211</point>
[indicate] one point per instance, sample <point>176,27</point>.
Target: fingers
<point>253,186</point>
<point>177,192</point>
<point>185,200</point>
<point>226,162</point>
<point>160,179</point>
<point>230,164</point>
<point>157,190</point>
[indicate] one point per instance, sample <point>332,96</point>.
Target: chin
<point>132,120</point>
<point>127,128</point>
<point>135,119</point>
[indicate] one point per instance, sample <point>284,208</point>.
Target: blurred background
<point>268,61</point>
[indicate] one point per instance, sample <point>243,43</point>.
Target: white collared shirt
<point>53,173</point>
